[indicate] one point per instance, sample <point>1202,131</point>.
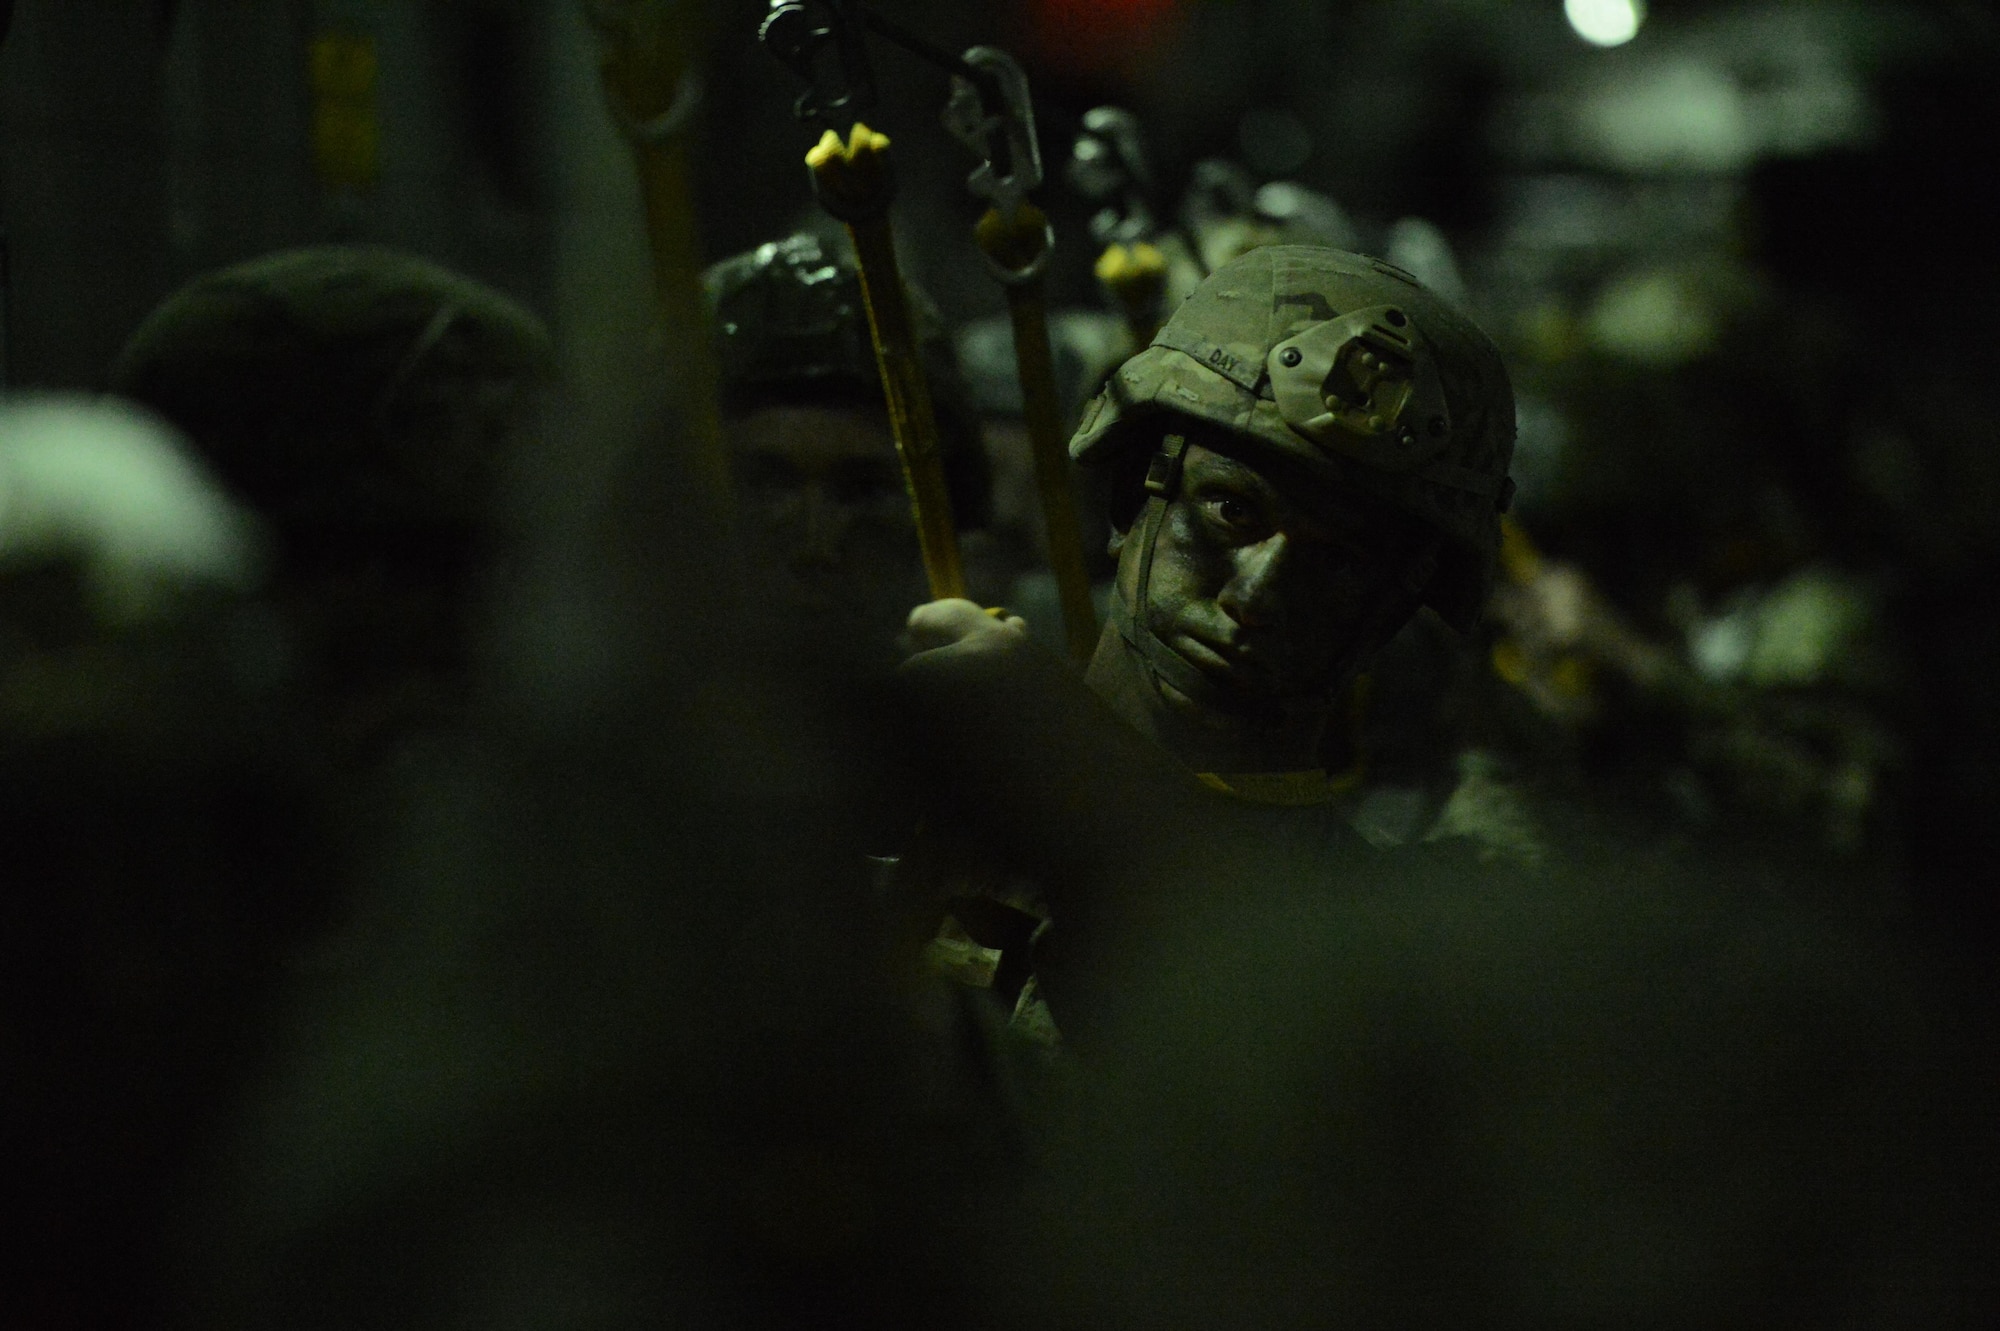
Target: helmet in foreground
<point>344,386</point>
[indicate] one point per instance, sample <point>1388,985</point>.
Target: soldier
<point>1312,448</point>
<point>360,404</point>
<point>152,842</point>
<point>363,403</point>
<point>818,484</point>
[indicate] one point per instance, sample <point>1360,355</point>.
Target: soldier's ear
<point>1116,544</point>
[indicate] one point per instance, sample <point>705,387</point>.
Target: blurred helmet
<point>788,324</point>
<point>342,386</point>
<point>115,494</point>
<point>787,316</point>
<point>1346,365</point>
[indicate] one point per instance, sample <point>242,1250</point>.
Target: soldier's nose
<point>1250,597</point>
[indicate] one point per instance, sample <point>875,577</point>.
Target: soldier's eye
<point>1233,515</point>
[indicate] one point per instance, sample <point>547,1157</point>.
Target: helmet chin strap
<point>1163,479</point>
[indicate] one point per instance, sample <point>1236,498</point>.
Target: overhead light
<point>1605,22</point>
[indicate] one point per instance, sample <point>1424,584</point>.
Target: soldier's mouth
<point>1233,667</point>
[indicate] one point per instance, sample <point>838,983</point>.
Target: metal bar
<point>653,92</point>
<point>853,182</point>
<point>1027,306</point>
<point>1017,250</point>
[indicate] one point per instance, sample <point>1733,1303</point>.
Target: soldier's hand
<point>958,621</point>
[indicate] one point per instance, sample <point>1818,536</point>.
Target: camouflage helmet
<point>787,322</point>
<point>786,315</point>
<point>1344,364</point>
<point>789,315</point>
<point>342,386</point>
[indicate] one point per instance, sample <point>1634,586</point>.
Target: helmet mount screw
<point>1290,357</point>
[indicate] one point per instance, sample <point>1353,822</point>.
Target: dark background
<point>1742,270</point>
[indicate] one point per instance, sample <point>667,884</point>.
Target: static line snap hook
<point>992,114</point>
<point>823,42</point>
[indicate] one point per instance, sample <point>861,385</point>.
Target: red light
<point>1100,35</point>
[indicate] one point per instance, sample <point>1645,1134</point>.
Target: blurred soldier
<point>464,1113</point>
<point>359,405</point>
<point>1637,1094</point>
<point>364,403</point>
<point>1227,216</point>
<point>109,495</point>
<point>1765,718</point>
<point>157,842</point>
<point>826,517</point>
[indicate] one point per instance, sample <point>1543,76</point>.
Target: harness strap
<point>1163,482</point>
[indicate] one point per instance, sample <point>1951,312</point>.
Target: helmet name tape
<point>1364,386</point>
<point>1243,371</point>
